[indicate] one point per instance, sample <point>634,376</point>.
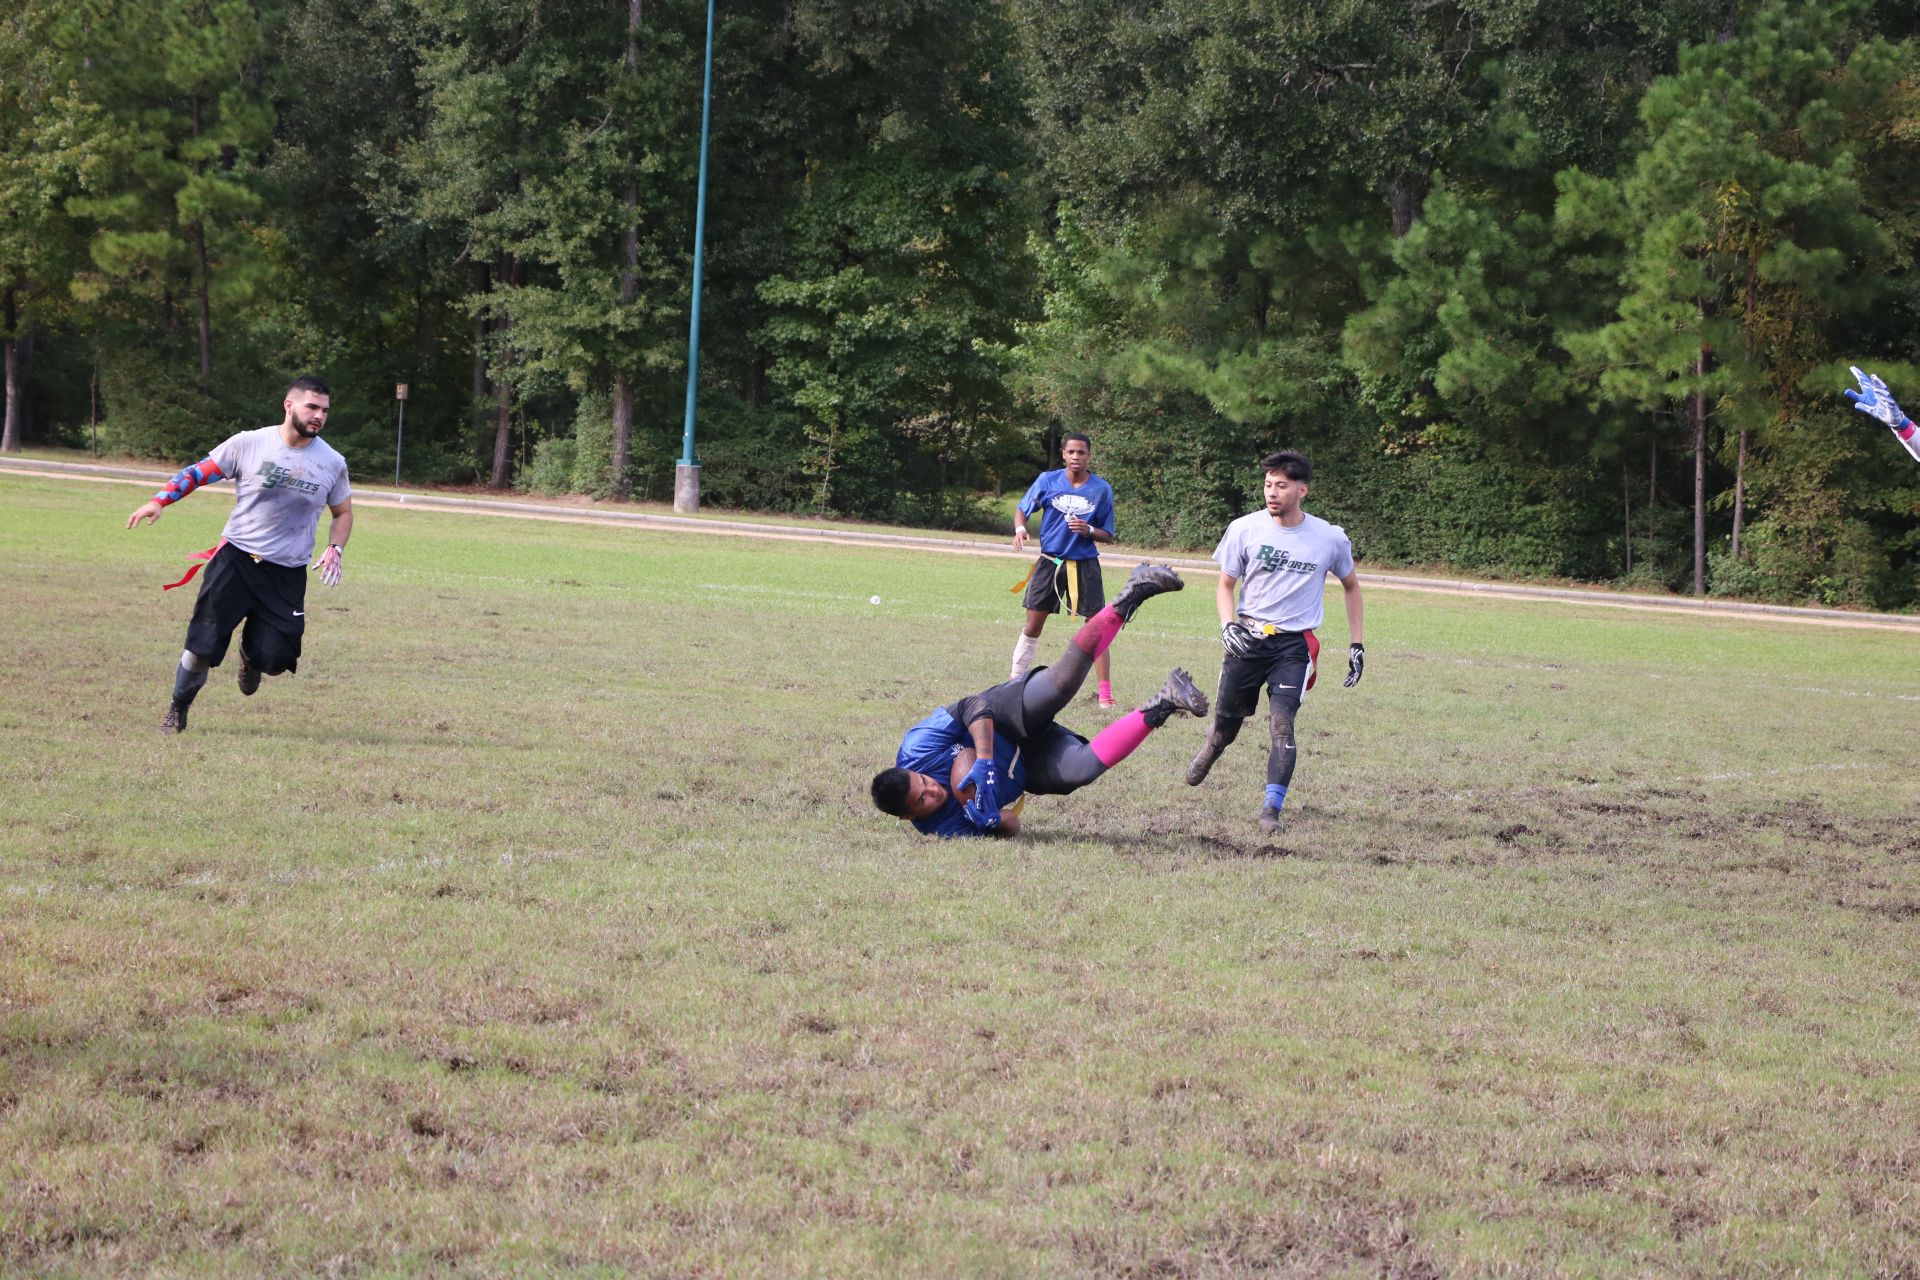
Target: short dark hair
<point>307,382</point>
<point>1291,462</point>
<point>1081,436</point>
<point>890,790</point>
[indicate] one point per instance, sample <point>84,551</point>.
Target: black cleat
<point>1145,580</point>
<point>1269,819</point>
<point>1177,694</point>
<point>249,676</point>
<point>1198,766</point>
<point>175,720</point>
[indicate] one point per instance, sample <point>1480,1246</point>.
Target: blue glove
<point>1874,400</point>
<point>983,810</point>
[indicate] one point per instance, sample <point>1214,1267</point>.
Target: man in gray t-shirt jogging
<point>257,573</point>
<point>1280,559</point>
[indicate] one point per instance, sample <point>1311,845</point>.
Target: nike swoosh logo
<point>299,613</point>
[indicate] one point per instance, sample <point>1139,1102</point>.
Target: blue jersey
<point>1054,496</point>
<point>931,746</point>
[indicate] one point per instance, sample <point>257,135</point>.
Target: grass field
<point>541,924</point>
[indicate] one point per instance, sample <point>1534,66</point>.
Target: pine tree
<point>1740,220</point>
<point>180,100</point>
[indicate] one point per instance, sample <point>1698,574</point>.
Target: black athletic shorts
<point>1072,584</point>
<point>1005,703</point>
<point>1283,663</point>
<point>270,598</point>
<point>1043,745</point>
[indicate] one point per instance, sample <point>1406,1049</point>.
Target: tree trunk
<point>1698,404</point>
<point>1406,197</point>
<point>1739,493</point>
<point>629,287</point>
<point>15,426</point>
<point>203,308</point>
<point>511,274</point>
<point>1626,511</point>
<point>622,435</point>
<point>479,392</point>
<point>502,471</point>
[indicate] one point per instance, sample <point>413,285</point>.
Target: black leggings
<point>1058,760</point>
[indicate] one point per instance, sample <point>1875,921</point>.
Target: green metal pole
<point>688,458</point>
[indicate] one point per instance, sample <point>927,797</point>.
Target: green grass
<point>541,924</point>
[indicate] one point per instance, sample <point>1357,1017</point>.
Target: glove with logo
<point>983,810</point>
<point>1873,398</point>
<point>1356,663</point>
<point>1237,640</point>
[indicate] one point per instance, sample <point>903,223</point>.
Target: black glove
<point>1237,640</point>
<point>1356,663</point>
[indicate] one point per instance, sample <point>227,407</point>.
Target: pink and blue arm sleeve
<point>205,471</point>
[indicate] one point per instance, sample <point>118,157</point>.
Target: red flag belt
<point>200,559</point>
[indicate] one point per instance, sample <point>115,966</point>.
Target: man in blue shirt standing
<point>1076,509</point>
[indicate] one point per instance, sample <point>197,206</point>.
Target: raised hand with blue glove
<point>1874,400</point>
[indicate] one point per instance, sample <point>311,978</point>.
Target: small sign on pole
<point>399,427</point>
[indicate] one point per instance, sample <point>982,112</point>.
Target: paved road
<point>709,525</point>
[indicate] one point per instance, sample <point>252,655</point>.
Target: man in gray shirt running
<point>1280,558</point>
<point>257,572</point>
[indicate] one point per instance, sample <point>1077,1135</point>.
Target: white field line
<point>690,524</point>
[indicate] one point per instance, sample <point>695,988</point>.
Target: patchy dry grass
<point>541,924</point>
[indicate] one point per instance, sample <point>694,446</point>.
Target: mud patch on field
<point>1339,1234</point>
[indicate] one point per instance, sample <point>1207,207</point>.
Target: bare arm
<point>1356,607</point>
<point>1019,527</point>
<point>1223,598</point>
<point>341,527</point>
<point>982,748</point>
<point>337,534</point>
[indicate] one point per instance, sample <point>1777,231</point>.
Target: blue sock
<point>1276,796</point>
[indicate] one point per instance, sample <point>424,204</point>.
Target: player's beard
<point>308,430</point>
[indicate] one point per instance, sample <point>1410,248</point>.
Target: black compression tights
<point>1281,747</point>
<point>1048,692</point>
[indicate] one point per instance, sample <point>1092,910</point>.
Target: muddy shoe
<point>1197,768</point>
<point>175,721</point>
<point>249,676</point>
<point>1270,820</point>
<point>1178,694</point>
<point>1145,580</point>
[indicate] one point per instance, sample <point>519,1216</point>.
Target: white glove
<point>330,566</point>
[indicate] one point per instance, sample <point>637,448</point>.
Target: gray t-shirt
<point>279,493</point>
<point>1282,571</point>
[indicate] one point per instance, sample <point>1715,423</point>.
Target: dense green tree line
<point>1544,287</point>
